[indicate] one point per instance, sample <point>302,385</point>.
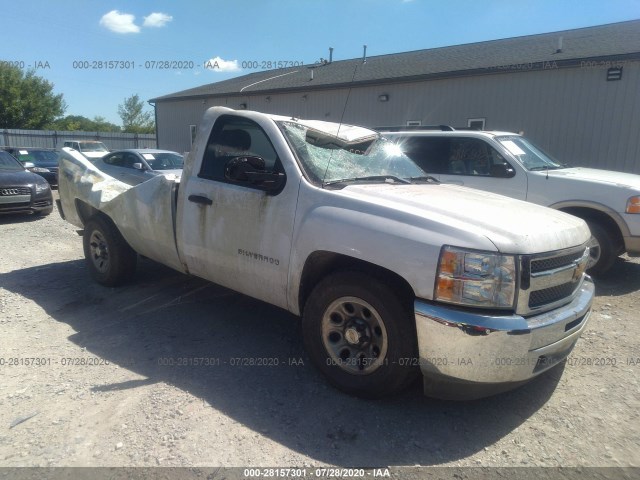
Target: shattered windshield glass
<point>327,158</point>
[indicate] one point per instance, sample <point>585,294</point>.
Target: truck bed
<point>145,214</point>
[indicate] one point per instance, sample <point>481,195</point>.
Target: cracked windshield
<point>328,158</point>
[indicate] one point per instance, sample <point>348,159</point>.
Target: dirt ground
<point>153,374</point>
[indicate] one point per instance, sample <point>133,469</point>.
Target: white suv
<point>509,164</point>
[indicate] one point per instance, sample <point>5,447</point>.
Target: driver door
<point>233,233</point>
<point>474,163</point>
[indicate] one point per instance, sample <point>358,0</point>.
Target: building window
<point>413,123</point>
<point>193,130</point>
<point>614,73</point>
<point>476,123</point>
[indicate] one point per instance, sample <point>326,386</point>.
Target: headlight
<point>38,170</point>
<point>476,279</point>
<point>42,187</point>
<point>633,205</point>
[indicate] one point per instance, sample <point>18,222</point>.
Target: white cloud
<point>157,19</point>
<point>217,64</point>
<point>119,22</point>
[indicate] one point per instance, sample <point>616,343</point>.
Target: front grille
<point>14,206</point>
<point>554,262</point>
<point>552,294</point>
<point>547,280</point>
<point>13,191</point>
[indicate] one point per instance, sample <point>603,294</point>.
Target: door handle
<point>200,199</point>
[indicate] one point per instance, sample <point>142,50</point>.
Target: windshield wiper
<point>372,178</point>
<point>546,167</point>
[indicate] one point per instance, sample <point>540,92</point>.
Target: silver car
<point>134,166</point>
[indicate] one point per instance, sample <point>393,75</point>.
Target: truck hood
<point>513,226</point>
<point>594,175</point>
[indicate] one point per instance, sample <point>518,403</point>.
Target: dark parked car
<point>22,191</point>
<point>45,162</point>
<point>136,165</point>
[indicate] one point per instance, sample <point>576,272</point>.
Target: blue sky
<point>58,36</point>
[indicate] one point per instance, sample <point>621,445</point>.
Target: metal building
<point>576,93</point>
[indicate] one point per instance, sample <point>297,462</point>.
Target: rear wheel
<point>360,335</point>
<point>109,258</point>
<point>602,249</point>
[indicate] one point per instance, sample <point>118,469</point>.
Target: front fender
<point>409,249</point>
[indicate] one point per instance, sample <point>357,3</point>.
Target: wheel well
<point>589,214</point>
<point>320,264</point>
<point>85,211</point>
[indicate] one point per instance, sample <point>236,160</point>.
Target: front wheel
<point>360,335</point>
<point>108,256</point>
<point>602,249</point>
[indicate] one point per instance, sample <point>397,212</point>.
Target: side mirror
<point>138,166</point>
<point>502,170</point>
<point>251,170</point>
<point>28,165</point>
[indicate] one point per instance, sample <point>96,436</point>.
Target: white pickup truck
<point>509,164</point>
<point>392,272</point>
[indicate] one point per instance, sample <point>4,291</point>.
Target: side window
<point>236,137</point>
<point>116,160</point>
<point>472,156</point>
<point>429,153</point>
<point>129,159</point>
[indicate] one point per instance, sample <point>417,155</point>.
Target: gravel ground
<point>151,375</point>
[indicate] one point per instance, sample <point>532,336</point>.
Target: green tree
<point>83,124</point>
<point>134,118</point>
<point>102,125</point>
<point>26,100</point>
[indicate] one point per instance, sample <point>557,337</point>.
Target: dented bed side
<point>144,214</point>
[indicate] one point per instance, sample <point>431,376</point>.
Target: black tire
<point>603,249</point>
<point>109,258</point>
<point>373,374</point>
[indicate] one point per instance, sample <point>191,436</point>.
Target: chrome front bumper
<point>466,355</point>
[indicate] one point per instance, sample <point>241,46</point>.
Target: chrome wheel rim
<point>354,336</point>
<point>594,251</point>
<point>99,251</point>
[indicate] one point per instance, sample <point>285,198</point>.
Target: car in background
<point>509,164</point>
<point>91,149</point>
<point>45,161</point>
<point>22,191</point>
<point>134,166</point>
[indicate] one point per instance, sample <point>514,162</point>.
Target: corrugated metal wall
<point>50,138</point>
<point>574,114</point>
